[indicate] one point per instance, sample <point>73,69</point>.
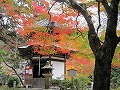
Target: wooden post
<point>65,65</point>
<point>39,65</point>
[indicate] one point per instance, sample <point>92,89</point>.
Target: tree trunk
<point>102,72</point>
<point>103,60</point>
<point>103,52</point>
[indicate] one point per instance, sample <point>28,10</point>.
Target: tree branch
<point>77,25</point>
<point>84,13</point>
<point>49,12</point>
<point>98,16</point>
<point>112,19</point>
<point>92,36</point>
<point>11,68</point>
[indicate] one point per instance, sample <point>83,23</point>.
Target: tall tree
<point>103,52</point>
<point>9,39</point>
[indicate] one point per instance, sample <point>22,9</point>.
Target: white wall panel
<point>58,69</point>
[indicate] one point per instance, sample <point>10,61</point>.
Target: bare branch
<point>49,12</point>
<point>77,25</point>
<point>98,16</point>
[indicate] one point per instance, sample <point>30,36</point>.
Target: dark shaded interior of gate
<point>36,72</point>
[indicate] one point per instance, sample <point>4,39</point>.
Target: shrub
<point>11,81</point>
<point>79,83</point>
<point>115,77</point>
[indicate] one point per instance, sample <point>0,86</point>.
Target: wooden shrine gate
<point>33,72</point>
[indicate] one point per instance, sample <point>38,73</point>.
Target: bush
<point>3,79</point>
<point>11,81</point>
<point>79,83</point>
<point>115,78</point>
<point>56,82</point>
<point>65,84</point>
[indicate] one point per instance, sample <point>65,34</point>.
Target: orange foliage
<point>41,39</point>
<point>44,50</point>
<point>60,41</point>
<point>61,31</point>
<point>82,64</point>
<point>38,8</point>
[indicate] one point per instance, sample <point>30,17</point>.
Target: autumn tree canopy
<point>55,26</point>
<point>41,26</point>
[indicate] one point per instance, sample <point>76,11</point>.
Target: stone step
<point>38,83</point>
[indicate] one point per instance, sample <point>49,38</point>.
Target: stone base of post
<point>47,81</point>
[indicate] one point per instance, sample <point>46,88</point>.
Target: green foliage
<point>11,81</point>
<point>3,52</point>
<point>102,36</point>
<point>119,7</point>
<point>8,57</point>
<point>12,33</point>
<point>16,64</point>
<point>90,2</point>
<point>79,83</point>
<point>65,84</point>
<point>116,58</point>
<point>0,69</point>
<point>7,88</point>
<point>115,77</point>
<point>56,82</point>
<point>3,79</point>
<point>2,43</point>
